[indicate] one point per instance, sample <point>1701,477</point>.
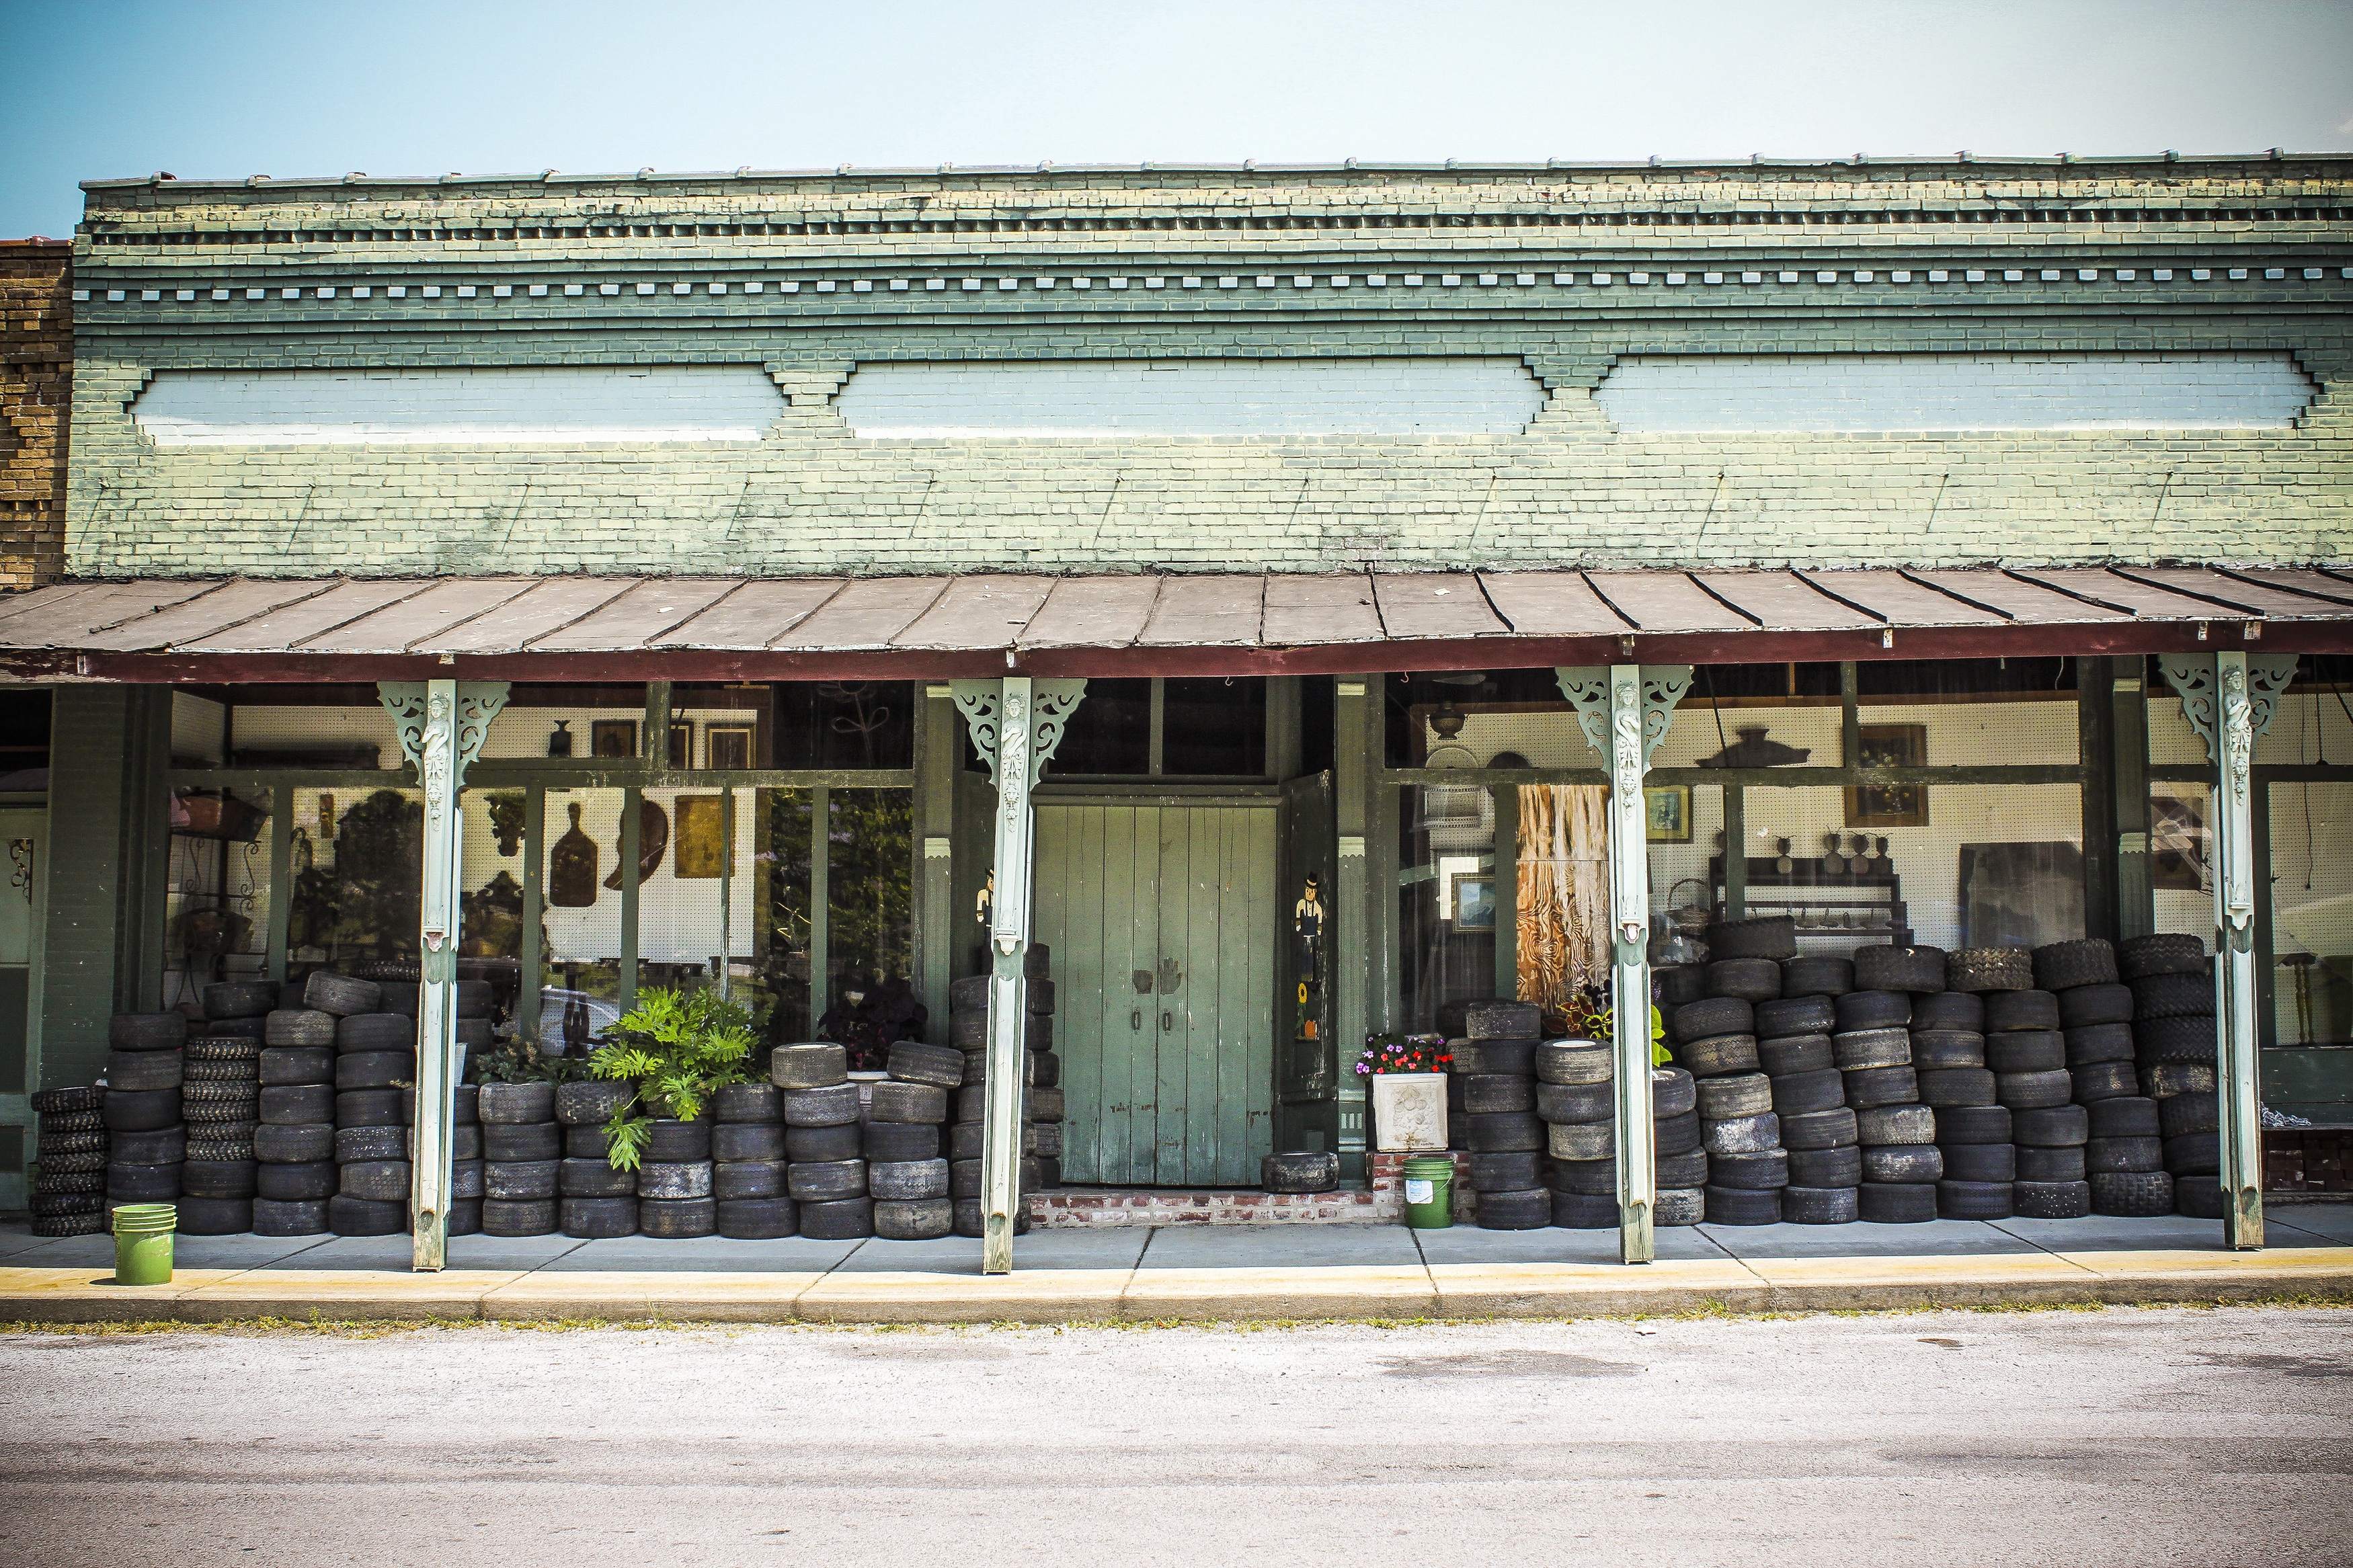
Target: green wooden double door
<point>1163,920</point>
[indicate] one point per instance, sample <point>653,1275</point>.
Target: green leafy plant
<point>679,1047</point>
<point>521,1061</point>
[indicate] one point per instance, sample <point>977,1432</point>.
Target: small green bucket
<point>142,1243</point>
<point>1429,1191</point>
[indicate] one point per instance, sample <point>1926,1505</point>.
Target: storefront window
<point>869,927</point>
<point>356,895</point>
<point>844,724</point>
<point>216,897</point>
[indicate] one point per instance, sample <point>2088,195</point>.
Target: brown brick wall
<point>35,394</point>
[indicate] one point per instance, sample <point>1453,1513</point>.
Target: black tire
<point>1676,1134</point>
<point>514,1104</point>
<point>1491,1094</point>
<point>209,1069</point>
<point>902,1141</point>
<point>1037,994</point>
<point>1988,968</point>
<point>399,996</point>
<point>2075,966</point>
<point>2027,1050</point>
<point>142,1110</point>
<point>217,1178</point>
<point>2133,1195</point>
<point>1673,1092</point>
<point>512,1144</point>
<point>1865,1048</point>
<point>374,1069</point>
<point>343,997</point>
<point>901,1181</point>
<point>928,1104</point>
<point>306,1217</point>
<point>1796,1053</point>
<point>1504,1132</point>
<point>466,1178</point>
<point>1716,1054</point>
<point>376,1032</point>
<point>1765,936</point>
<point>598,1218</point>
<point>129,1071</point>
<point>1974,1200</point>
<point>2007,1011</point>
<point>1886,968</point>
<point>756,1219</point>
<point>47,1205</point>
<point>828,1183</point>
<point>1584,1211</point>
<point>475,1033</point>
<point>1529,1209</point>
<point>87,1162</point>
<point>1952,1088</point>
<point>1872,1010</point>
<point>1678,983</point>
<point>142,1184</point>
<point>147,1031</point>
<point>2164,952</point>
<point>1973,1124</point>
<point>1688,1169</point>
<point>239,998</point>
<point>2164,1080</point>
<point>465,1215</point>
<point>148,1146</point>
<point>1498,1020</point>
<point>1819,1205</point>
<point>679,1181</point>
<point>1512,1058</point>
<point>348,1215</point>
<point>1907,1203</point>
<point>2033,1090</point>
<point>1950,1010</point>
<point>912,1061</point>
<point>738,1180</point>
<point>298,1026</point>
<point>1576,1140</point>
<point>820,1145</point>
<point>587,1143</point>
<point>2050,1127</point>
<point>2093,1044</point>
<point>1831,1129</point>
<point>1910,1163</point>
<point>2052,1200</point>
<point>2172,996</point>
<point>914,1219</point>
<point>1046,1067</point>
<point>1712,1017</point>
<point>1872,1087</point>
<point>1734,1136</point>
<point>836,1106</point>
<point>2054,1164</point>
<point>382,1181</point>
<point>2113,1156</point>
<point>846,1220</point>
<point>2194,1154</point>
<point>1981,1162</point>
<point>1753,1171</point>
<point>294,1066</point>
<point>1572,1063</point>
<point>1814,975</point>
<point>1680,1206</point>
<point>2201,1199</point>
<point>1795,1015</point>
<point>1743,1205</point>
<point>1947,1048</point>
<point>674,1142</point>
<point>2175,1039</point>
<point>743,1102</point>
<point>736,1140</point>
<point>1799,1093</point>
<point>1504,1173</point>
<point>1594,1178</point>
<point>591,1179</point>
<point>1735,1094</point>
<point>213,1217</point>
<point>80,1099</point>
<point>524,1180</point>
<point>531,1217</point>
<point>1839,1167</point>
<point>2187,1113</point>
<point>1308,1170</point>
<point>313,1181</point>
<point>970,1218</point>
<point>1752,980</point>
<point>2088,1005</point>
<point>2125,1116</point>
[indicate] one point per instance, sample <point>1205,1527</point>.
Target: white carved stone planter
<point>1410,1111</point>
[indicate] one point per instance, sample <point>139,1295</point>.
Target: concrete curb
<point>1186,1295</point>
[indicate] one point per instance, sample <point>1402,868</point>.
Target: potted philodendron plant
<point>676,1049</point>
<point>1409,1084</point>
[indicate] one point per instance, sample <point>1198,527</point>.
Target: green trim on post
<point>2129,779</point>
<point>2096,748</point>
<point>281,873</point>
<point>936,759</point>
<point>820,904</point>
<point>632,849</point>
<point>1507,862</point>
<point>1736,853</point>
<point>1359,978</point>
<point>531,956</point>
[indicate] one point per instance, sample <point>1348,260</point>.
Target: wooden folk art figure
<point>572,867</point>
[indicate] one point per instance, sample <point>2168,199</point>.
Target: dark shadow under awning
<point>722,628</point>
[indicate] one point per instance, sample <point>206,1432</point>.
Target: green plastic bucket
<point>1429,1191</point>
<point>142,1243</point>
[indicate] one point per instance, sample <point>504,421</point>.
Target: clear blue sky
<point>94,89</point>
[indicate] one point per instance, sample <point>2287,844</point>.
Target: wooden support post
<point>726,893</point>
<point>1736,853</point>
<point>820,904</point>
<point>441,724</point>
<point>1507,890</point>
<point>936,759</point>
<point>2128,790</point>
<point>535,896</point>
<point>282,876</point>
<point>1353,963</point>
<point>632,847</point>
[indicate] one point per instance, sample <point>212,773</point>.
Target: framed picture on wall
<point>1889,805</point>
<point>681,744</point>
<point>1666,808</point>
<point>1475,903</point>
<point>613,737</point>
<point>727,745</point>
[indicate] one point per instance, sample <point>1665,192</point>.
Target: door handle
<point>1167,1021</point>
<point>1135,1019</point>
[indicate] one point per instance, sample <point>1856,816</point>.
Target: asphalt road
<point>2126,1436</point>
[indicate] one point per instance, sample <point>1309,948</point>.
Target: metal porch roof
<point>743,629</point>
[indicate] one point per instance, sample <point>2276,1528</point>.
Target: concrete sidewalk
<point>1203,1273</point>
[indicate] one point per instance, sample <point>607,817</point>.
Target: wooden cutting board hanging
<point>653,842</point>
<point>572,867</point>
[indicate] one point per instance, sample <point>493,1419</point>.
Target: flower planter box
<point>1410,1112</point>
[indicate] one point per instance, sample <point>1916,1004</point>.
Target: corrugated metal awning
<point>569,629</point>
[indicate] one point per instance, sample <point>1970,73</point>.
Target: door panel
<point>1307,1058</point>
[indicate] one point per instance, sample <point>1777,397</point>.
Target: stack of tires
<point>2174,1049</point>
<point>675,1179</point>
<point>1576,1097</point>
<point>69,1195</point>
<point>1041,1098</point>
<point>2025,1051</point>
<point>747,1169</point>
<point>523,1147</point>
<point>824,1155</point>
<point>220,1096</point>
<point>1747,1167</point>
<point>1042,1134</point>
<point>2095,1010</point>
<point>907,1172</point>
<point>1896,1020</point>
<point>594,1200</point>
<point>1493,1086</point>
<point>294,1171</point>
<point>369,1138</point>
<point>148,1140</point>
<point>465,1196</point>
<point>1818,1129</point>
